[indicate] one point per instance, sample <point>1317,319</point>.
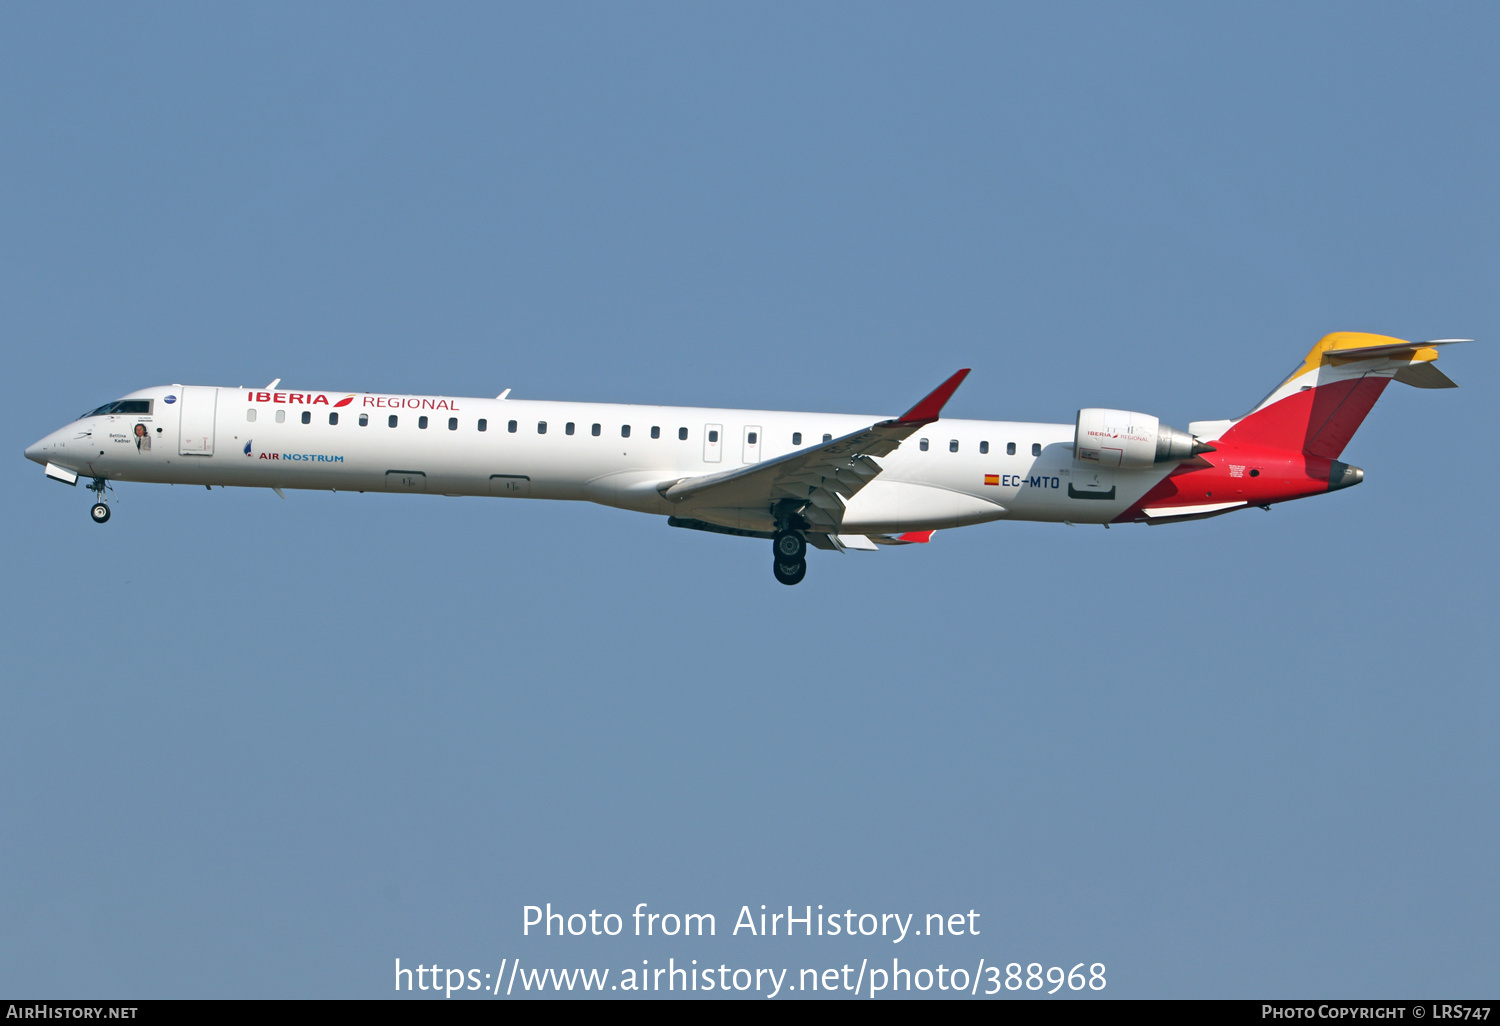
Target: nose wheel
<point>790,557</point>
<point>100,511</point>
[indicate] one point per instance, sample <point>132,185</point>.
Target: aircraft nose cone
<point>36,452</point>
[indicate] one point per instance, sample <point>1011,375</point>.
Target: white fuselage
<point>952,472</point>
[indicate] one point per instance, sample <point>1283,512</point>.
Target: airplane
<point>833,481</point>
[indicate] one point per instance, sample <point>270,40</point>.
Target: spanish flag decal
<point>992,479</point>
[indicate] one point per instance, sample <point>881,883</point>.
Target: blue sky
<point>263,748</point>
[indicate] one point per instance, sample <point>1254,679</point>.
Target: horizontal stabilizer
<point>1424,375</point>
<point>1400,346</point>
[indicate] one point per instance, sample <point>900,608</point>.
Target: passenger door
<point>713,443</point>
<point>195,426</point>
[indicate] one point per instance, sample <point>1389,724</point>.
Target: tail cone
<point>1342,475</point>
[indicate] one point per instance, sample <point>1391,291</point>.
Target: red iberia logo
<point>346,400</point>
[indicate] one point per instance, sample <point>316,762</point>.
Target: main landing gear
<point>100,510</point>
<point>789,562</point>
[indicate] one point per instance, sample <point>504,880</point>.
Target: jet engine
<point>1131,441</point>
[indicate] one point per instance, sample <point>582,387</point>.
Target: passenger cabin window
<point>953,445</point>
<point>333,418</point>
<point>484,425</point>
<point>682,434</point>
<point>655,432</point>
<point>541,427</point>
<point>307,416</point>
<point>922,445</point>
<point>391,421</point>
<point>984,448</point>
<point>281,416</point>
<point>422,423</point>
<point>250,414</point>
<point>796,437</point>
<point>511,427</point>
<point>568,428</point>
<point>452,423</point>
<point>364,420</point>
<point>1036,448</point>
<point>624,430</point>
<point>713,436</point>
<point>829,438</point>
<point>594,430</point>
<point>1010,448</point>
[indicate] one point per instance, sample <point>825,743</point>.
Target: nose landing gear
<point>100,511</point>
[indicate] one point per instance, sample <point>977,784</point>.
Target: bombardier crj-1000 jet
<point>834,481</point>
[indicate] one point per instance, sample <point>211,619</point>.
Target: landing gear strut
<point>100,511</point>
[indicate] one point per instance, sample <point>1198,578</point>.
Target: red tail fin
<point>1317,410</point>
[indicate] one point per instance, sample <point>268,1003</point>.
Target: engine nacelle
<point>1132,441</point>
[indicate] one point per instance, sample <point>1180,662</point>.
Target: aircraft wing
<point>818,478</point>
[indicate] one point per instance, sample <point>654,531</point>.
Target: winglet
<point>927,411</point>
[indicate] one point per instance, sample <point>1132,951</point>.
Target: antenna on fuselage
<point>273,384</point>
<point>502,395</point>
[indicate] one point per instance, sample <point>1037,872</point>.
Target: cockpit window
<point>122,406</point>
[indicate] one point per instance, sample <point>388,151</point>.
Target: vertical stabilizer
<point>1318,408</point>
